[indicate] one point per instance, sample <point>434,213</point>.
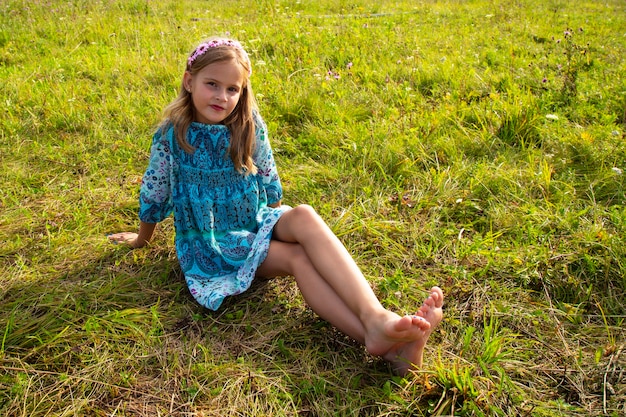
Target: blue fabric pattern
<point>222,218</point>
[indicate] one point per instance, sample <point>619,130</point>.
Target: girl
<point>212,166</point>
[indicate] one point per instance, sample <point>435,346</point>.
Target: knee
<point>308,222</point>
<point>306,214</point>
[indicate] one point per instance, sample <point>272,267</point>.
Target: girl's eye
<point>233,89</point>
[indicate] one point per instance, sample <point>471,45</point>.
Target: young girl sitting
<point>211,164</point>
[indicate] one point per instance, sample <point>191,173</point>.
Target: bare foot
<point>403,340</point>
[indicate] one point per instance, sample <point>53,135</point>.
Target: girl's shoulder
<point>164,129</point>
<point>259,123</point>
<point>256,116</point>
<point>163,135</point>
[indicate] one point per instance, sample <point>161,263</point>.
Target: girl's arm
<point>264,161</point>
<point>155,194</point>
<point>135,240</point>
<point>146,230</point>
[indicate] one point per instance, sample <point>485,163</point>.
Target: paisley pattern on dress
<point>222,217</point>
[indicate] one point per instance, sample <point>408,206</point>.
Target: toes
<point>421,322</point>
<point>428,305</point>
<point>437,294</point>
<point>422,311</point>
<point>433,301</point>
<point>403,324</point>
<point>406,325</point>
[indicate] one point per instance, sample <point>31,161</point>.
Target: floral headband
<point>203,47</point>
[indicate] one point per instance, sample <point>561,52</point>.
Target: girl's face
<point>215,90</point>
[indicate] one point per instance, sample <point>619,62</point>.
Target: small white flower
<point>552,117</point>
<point>459,200</point>
<point>617,170</point>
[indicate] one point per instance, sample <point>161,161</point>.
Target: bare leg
<point>290,259</point>
<point>336,289</point>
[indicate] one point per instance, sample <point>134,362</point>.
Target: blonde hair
<point>180,113</point>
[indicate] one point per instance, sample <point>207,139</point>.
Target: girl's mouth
<point>216,107</point>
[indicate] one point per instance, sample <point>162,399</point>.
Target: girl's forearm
<point>146,230</point>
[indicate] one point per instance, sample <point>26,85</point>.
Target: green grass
<point>469,144</point>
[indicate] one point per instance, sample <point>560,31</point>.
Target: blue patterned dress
<point>222,218</point>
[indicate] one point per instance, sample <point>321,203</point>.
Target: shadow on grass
<point>124,325</point>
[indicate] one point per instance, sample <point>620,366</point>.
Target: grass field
<point>476,145</point>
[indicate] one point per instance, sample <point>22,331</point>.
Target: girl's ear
<point>187,81</point>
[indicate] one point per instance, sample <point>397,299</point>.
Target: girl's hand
<point>128,238</point>
<point>135,240</point>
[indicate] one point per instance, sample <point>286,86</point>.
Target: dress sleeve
<point>264,161</point>
<point>155,194</point>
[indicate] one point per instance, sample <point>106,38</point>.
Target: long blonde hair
<point>180,113</point>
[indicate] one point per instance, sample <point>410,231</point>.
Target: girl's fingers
<point>121,237</point>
